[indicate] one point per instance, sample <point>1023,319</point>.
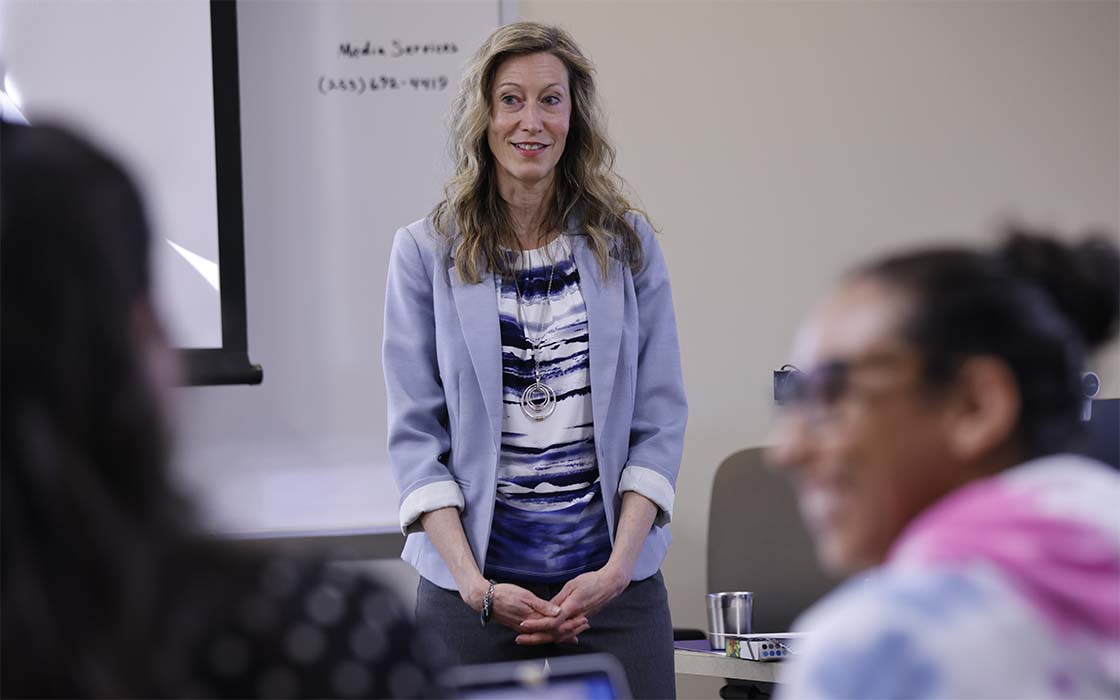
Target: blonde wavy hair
<point>587,194</point>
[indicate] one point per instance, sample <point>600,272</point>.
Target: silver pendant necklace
<point>538,401</point>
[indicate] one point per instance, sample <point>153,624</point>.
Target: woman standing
<point>536,406</point>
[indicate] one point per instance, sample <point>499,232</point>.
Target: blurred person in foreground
<point>108,589</point>
<point>926,436</point>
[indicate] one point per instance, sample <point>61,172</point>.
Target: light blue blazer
<point>443,373</point>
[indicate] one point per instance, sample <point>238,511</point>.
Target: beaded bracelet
<point>488,602</point>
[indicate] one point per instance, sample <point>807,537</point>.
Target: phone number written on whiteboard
<point>379,83</point>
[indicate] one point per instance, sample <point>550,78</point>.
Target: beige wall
<point>777,143</point>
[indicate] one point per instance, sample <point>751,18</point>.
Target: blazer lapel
<point>477,305</point>
<point>603,300</point>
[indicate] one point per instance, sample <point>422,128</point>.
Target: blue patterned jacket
<point>443,374</point>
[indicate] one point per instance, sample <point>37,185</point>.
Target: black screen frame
<point>229,364</point>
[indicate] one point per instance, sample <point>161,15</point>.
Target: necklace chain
<point>538,400</point>
<point>534,345</point>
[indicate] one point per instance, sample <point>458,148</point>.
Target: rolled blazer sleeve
<point>419,440</point>
<point>660,407</point>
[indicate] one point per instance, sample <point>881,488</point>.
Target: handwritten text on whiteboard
<point>395,49</point>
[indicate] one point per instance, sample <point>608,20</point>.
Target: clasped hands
<point>561,619</point>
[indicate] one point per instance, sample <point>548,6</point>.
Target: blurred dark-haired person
<point>926,437</point>
<point>107,588</point>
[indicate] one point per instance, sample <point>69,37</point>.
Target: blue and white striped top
<point>549,524</point>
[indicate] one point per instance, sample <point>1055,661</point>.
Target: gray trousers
<point>634,627</point>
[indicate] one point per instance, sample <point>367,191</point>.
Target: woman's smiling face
<point>867,450</point>
<point>529,117</point>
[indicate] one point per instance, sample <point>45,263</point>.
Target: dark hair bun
<point>1083,278</point>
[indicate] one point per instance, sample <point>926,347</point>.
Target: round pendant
<point>538,401</point>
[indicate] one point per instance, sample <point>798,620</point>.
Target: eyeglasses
<point>816,393</point>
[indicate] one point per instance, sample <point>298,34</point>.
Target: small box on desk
<point>764,647</point>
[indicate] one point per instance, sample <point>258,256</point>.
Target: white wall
<point>777,143</point>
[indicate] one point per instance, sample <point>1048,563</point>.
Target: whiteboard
<point>344,140</point>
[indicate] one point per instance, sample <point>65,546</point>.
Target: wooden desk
<point>695,658</point>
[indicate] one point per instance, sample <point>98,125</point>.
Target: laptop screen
<point>580,677</point>
<point>589,687</point>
